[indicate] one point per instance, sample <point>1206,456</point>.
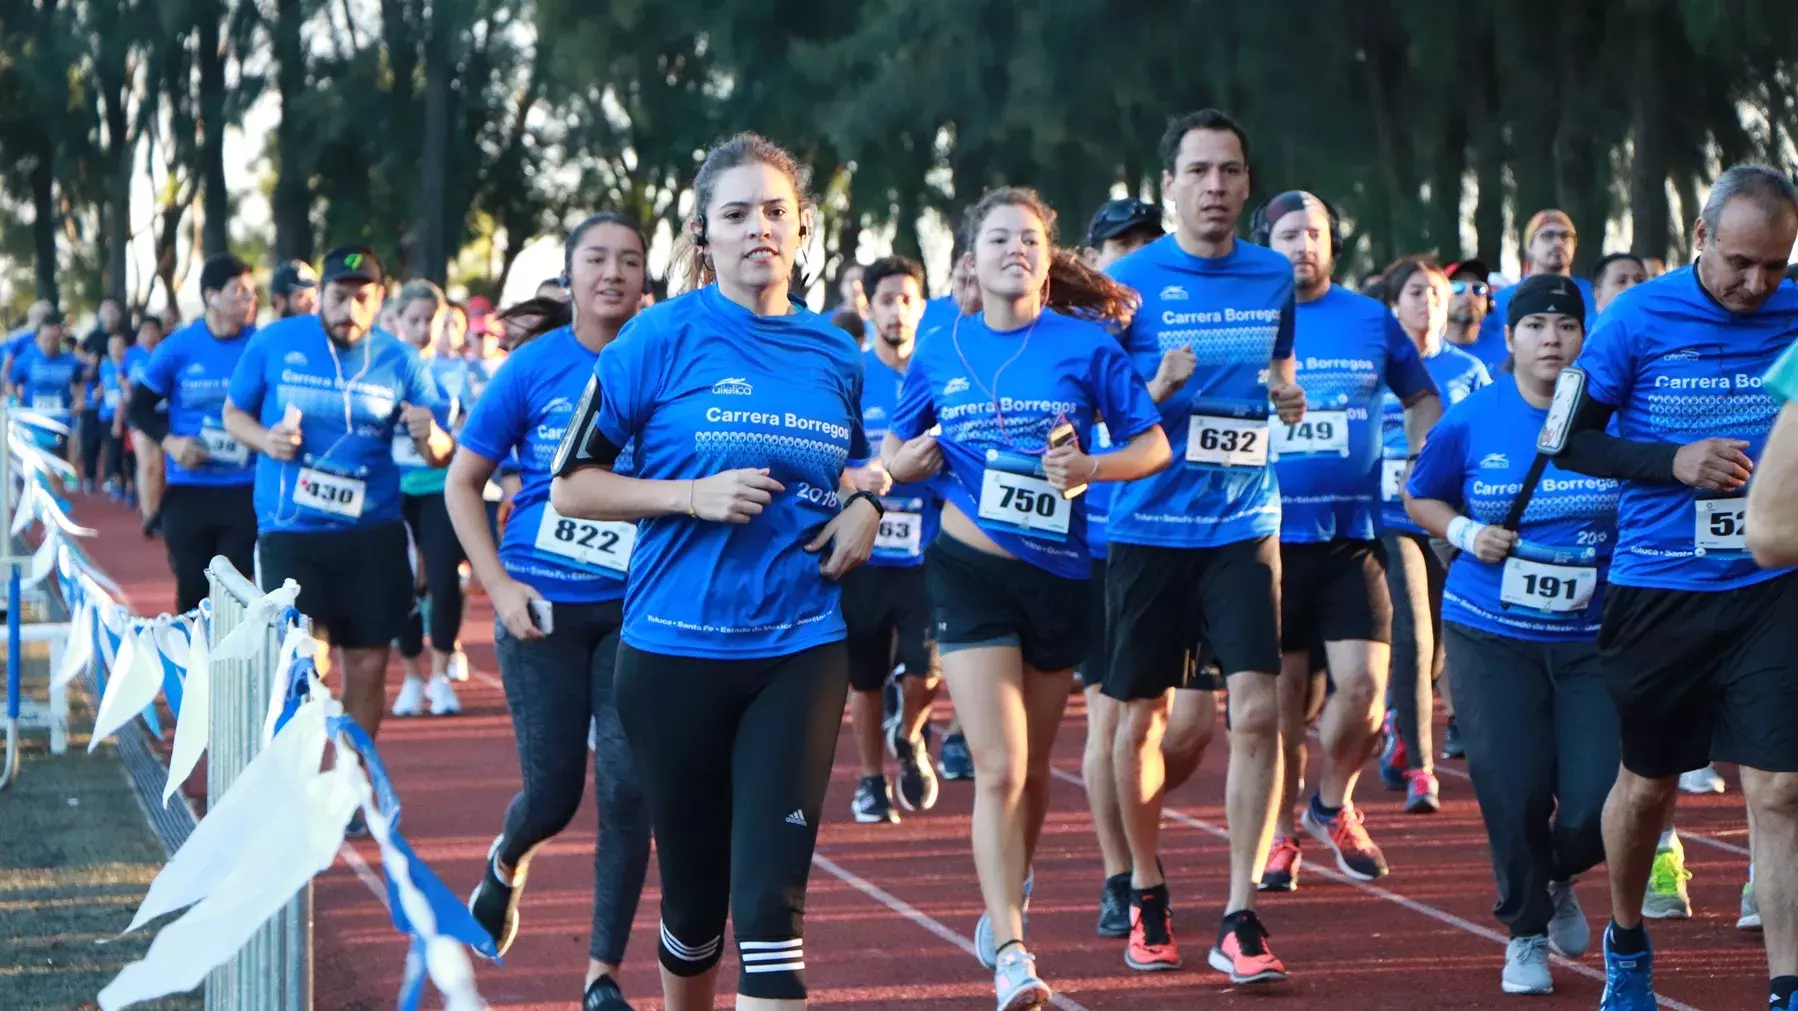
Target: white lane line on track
<point>366,873</point>
<point>910,912</point>
<point>1380,893</point>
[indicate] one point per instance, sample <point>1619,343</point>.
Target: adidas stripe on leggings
<point>735,757</point>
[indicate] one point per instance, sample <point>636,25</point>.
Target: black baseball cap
<point>1474,266</point>
<point>1116,217</point>
<point>291,276</point>
<point>352,263</point>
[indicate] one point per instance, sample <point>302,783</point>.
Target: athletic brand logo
<point>1682,355</point>
<point>558,404</point>
<point>1494,461</point>
<point>1173,293</point>
<point>353,261</point>
<point>295,358</point>
<point>196,369</point>
<point>957,385</point>
<point>796,818</point>
<point>733,387</point>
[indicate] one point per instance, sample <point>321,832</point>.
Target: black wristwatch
<point>873,499</point>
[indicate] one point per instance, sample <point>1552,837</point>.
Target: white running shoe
<point>1705,780</point>
<point>1751,909</point>
<point>1015,981</point>
<point>457,668</point>
<point>1526,966</point>
<point>412,698</point>
<point>443,698</point>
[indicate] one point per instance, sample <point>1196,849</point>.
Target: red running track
<point>892,908</point>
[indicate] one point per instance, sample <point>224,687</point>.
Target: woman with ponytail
<point>1017,388</point>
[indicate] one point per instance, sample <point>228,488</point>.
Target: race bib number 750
<point>1027,504</point>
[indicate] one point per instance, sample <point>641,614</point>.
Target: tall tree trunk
<point>430,252</point>
<point>1446,187</point>
<point>215,237</point>
<point>1649,214</point>
<point>1488,153</point>
<point>43,225</point>
<point>120,154</point>
<point>292,201</point>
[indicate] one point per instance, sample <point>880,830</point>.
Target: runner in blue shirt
<point>557,587</point>
<point>886,605</point>
<point>320,398</point>
<point>1017,389</point>
<point>208,509</point>
<point>151,476</point>
<point>1698,641</point>
<point>1520,613</point>
<point>1422,298</point>
<point>1549,242</point>
<point>111,413</point>
<point>1348,350</point>
<point>742,408</point>
<point>1194,549</point>
<point>45,375</point>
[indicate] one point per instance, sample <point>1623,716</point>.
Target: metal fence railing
<point>273,972</point>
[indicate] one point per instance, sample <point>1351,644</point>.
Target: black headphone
<point>1261,229</point>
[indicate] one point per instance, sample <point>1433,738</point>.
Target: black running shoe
<point>954,760</point>
<point>494,904</point>
<point>603,995</point>
<point>917,780</point>
<point>873,802</point>
<point>1114,906</point>
<point>1451,741</point>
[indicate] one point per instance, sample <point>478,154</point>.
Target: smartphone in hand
<point>1063,435</point>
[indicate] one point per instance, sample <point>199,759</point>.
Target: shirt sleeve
<point>916,413</point>
<point>1405,372</point>
<point>159,371</point>
<point>1782,378</point>
<point>630,382</point>
<point>1609,361</point>
<point>497,422</point>
<point>249,381</point>
<point>422,389</point>
<point>1288,325</point>
<point>19,369</point>
<point>1441,467</point>
<point>1122,399</point>
<point>859,453</point>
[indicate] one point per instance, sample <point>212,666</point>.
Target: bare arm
<point>595,493</point>
<point>462,487</point>
<point>1773,495</point>
<point>240,425</point>
<point>1422,412</point>
<point>1432,514</point>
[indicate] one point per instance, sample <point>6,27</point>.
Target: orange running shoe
<point>1282,873</point>
<point>1151,947</point>
<point>1356,854</point>
<point>1242,950</point>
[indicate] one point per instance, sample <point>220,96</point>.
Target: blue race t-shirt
<point>191,369</point>
<point>349,399</point>
<point>704,386</point>
<point>1679,367</point>
<point>46,383</point>
<point>112,389</point>
<point>1236,313</point>
<point>914,512</point>
<point>137,359</point>
<point>1349,350</point>
<point>524,411</point>
<point>997,395</point>
<point>1457,374</point>
<point>938,312</point>
<point>1551,588</point>
<point>1098,501</point>
<point>1489,347</point>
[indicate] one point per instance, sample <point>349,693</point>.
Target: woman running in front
<point>557,587</point>
<point>742,408</point>
<point>1520,618</point>
<point>1017,388</point>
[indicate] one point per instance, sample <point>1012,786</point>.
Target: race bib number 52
<point>1721,524</point>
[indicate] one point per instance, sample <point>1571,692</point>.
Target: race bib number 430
<point>1218,441</point>
<point>1027,504</point>
<point>1721,524</point>
<point>599,545</point>
<point>330,493</point>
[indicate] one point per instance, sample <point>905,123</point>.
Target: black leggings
<point>735,757</point>
<point>440,554</point>
<point>555,687</point>
<point>200,521</point>
<point>94,435</point>
<point>1414,575</point>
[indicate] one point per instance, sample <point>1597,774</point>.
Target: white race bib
<point>46,402</point>
<point>221,448</point>
<point>900,534</point>
<point>592,543</point>
<point>405,451</point>
<point>1220,441</point>
<point>112,399</point>
<point>1102,436</point>
<point>1392,479</point>
<point>1721,525</point>
<point>1541,587</point>
<point>1025,503</point>
<point>1318,432</point>
<point>330,493</point>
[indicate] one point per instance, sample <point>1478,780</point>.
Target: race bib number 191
<point>1721,525</point>
<point>330,493</point>
<point>1556,589</point>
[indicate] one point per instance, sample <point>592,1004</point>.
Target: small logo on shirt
<point>196,369</point>
<point>1494,461</point>
<point>733,387</point>
<point>562,404</point>
<point>295,358</point>
<point>957,385</point>
<point>796,818</point>
<point>1682,355</point>
<point>873,414</point>
<point>1173,293</point>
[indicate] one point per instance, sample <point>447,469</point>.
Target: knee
<point>620,801</point>
<point>1001,773</point>
<point>1142,721</point>
<point>1254,709</point>
<point>1639,795</point>
<point>1772,796</point>
<point>690,949</point>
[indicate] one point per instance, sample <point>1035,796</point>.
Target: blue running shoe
<point>1392,754</point>
<point>1628,979</point>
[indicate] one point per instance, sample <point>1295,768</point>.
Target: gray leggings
<point>556,686</point>
<point>1414,575</point>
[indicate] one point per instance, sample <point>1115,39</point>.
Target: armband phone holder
<point>1570,395</point>
<point>581,442</point>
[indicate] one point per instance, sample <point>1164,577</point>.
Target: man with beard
<point>293,291</point>
<point>1549,242</point>
<point>1470,300</point>
<point>322,398</point>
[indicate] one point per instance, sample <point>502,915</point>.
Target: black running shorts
<point>1704,676</point>
<point>985,600</point>
<point>355,583</point>
<point>887,609</point>
<point>1333,591</point>
<point>1163,602</point>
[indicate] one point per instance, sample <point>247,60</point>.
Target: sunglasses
<point>1463,287</point>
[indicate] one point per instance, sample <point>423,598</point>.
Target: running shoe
<point>603,995</point>
<point>1751,909</point>
<point>1282,873</point>
<point>1451,741</point>
<point>494,903</point>
<point>873,802</point>
<point>1151,947</point>
<point>1114,906</point>
<point>1015,981</point>
<point>457,668</point>
<point>984,942</point>
<point>442,696</point>
<point>1242,952</point>
<point>1423,795</point>
<point>412,699</point>
<point>1392,754</point>
<point>955,761</point>
<point>357,828</point>
<point>1568,932</point>
<point>1705,780</point>
<point>1667,898</point>
<point>1628,979</point>
<point>1526,966</point>
<point>1356,854</point>
<point>917,780</point>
